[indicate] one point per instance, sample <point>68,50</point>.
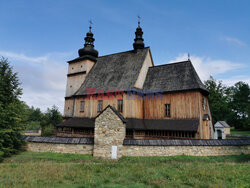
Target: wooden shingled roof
<point>182,142</point>
<point>139,124</point>
<point>115,72</point>
<point>120,71</point>
<point>173,77</point>
<point>139,142</point>
<point>78,122</point>
<point>190,125</point>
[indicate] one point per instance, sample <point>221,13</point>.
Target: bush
<point>1,156</point>
<point>33,125</point>
<point>47,130</point>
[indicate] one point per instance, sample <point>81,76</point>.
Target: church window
<point>167,110</point>
<point>204,103</point>
<point>120,106</point>
<point>82,103</point>
<point>99,109</point>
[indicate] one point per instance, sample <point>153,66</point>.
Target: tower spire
<point>139,21</point>
<point>88,50</point>
<point>138,41</point>
<point>90,25</point>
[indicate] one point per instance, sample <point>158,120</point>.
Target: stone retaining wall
<point>109,142</point>
<point>139,150</point>
<point>60,148</point>
<point>184,150</point>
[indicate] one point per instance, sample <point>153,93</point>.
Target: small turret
<point>88,51</point>
<point>138,44</point>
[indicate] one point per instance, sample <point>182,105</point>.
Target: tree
<point>240,104</point>
<point>35,114</point>
<point>11,109</point>
<point>218,100</point>
<point>51,118</point>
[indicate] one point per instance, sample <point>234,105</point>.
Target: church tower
<point>78,69</point>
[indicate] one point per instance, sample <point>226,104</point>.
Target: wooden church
<point>156,102</point>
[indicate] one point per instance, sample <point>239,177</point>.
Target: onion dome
<point>138,44</point>
<point>88,49</point>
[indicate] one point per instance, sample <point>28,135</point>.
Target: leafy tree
<point>51,118</point>
<point>35,117</point>
<point>35,114</point>
<point>11,109</point>
<point>53,115</point>
<point>218,100</point>
<point>240,104</point>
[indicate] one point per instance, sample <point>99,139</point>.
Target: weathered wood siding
<point>68,107</point>
<point>131,107</point>
<point>74,82</point>
<point>182,105</point>
<point>205,124</point>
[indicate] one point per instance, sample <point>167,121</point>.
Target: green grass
<point>233,131</point>
<point>72,170</point>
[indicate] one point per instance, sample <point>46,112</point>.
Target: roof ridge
<point>170,64</point>
<point>121,52</point>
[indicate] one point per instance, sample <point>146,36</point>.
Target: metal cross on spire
<point>188,56</point>
<point>139,20</point>
<point>90,25</point>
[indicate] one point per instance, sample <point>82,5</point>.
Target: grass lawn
<point>72,170</point>
<point>233,131</point>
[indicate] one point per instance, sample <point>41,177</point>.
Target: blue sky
<point>38,37</point>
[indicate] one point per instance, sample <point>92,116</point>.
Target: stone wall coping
<point>190,142</point>
<point>141,142</point>
<point>58,140</point>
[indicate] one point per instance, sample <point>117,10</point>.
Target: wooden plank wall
<point>131,108</point>
<point>205,132</point>
<point>68,107</point>
<point>183,105</point>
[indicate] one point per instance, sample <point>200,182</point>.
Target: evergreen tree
<point>11,109</point>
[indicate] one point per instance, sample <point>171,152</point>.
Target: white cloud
<point>22,57</point>
<point>43,78</point>
<point>236,79</point>
<point>207,67</point>
<point>234,41</point>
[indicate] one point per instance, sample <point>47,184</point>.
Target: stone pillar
<point>109,134</point>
